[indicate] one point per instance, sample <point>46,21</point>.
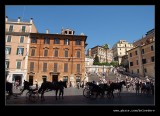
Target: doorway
<point>31,79</point>
<point>17,77</point>
<point>54,78</point>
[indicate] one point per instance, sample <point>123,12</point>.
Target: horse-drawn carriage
<point>92,90</point>
<point>33,94</point>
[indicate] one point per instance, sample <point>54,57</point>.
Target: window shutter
<point>65,67</point>
<point>31,66</point>
<point>55,67</point>
<point>44,67</point>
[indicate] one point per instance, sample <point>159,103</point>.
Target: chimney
<point>19,19</point>
<point>31,20</point>
<point>6,19</point>
<point>62,32</point>
<point>47,31</point>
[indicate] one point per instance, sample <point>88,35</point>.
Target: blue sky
<point>101,23</point>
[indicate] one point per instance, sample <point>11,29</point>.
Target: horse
<point>26,86</point>
<point>147,88</point>
<point>106,87</point>
<point>57,86</point>
<point>95,89</point>
<point>116,86</point>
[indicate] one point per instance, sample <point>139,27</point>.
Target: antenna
<point>23,13</point>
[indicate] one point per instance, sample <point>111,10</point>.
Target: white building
<point>120,49</point>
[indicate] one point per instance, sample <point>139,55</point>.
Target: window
<point>130,54</point>
<point>45,52</point>
<point>21,39</point>
<point>137,62</point>
<point>66,42</point>
<point>131,63</point>
<point>31,66</point>
<point>56,41</point>
<point>10,28</point>
<point>70,32</point>
<point>8,50</point>
<point>55,67</point>
<point>44,78</point>
<point>78,54</point>
<point>144,61</point>
<point>33,40</point>
<point>23,28</point>
<point>136,52</point>
<point>8,38</point>
<point>7,64</point>
<point>18,64</point>
<point>78,42</point>
<point>65,67</point>
<point>142,51</point>
<point>20,51</point>
<point>152,49</point>
<point>137,70</point>
<point>78,68</point>
<point>66,53</point>
<point>78,78</point>
<point>56,52</point>
<point>32,52</point>
<point>145,70</point>
<point>44,67</point>
<point>46,41</point>
<point>65,78</point>
<point>152,59</point>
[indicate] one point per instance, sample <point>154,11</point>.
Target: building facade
<point>104,55</point>
<point>54,57</point>
<point>17,47</point>
<point>142,57</point>
<point>120,49</point>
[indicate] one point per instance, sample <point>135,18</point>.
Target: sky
<point>102,24</point>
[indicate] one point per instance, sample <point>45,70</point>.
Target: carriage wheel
<point>86,92</point>
<point>94,95</point>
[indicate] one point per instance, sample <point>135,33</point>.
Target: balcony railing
<point>19,32</point>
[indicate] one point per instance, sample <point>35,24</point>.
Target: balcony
<point>15,32</point>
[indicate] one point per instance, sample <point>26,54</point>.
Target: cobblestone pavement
<point>74,96</point>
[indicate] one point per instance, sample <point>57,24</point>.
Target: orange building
<point>55,57</point>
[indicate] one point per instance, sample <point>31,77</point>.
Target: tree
<point>106,46</point>
<point>125,64</point>
<point>96,60</point>
<point>114,63</point>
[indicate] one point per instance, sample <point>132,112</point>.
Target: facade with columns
<point>16,48</point>
<point>54,57</point>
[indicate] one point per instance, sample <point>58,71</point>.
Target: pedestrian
<point>17,84</point>
<point>78,85</point>
<point>137,87</point>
